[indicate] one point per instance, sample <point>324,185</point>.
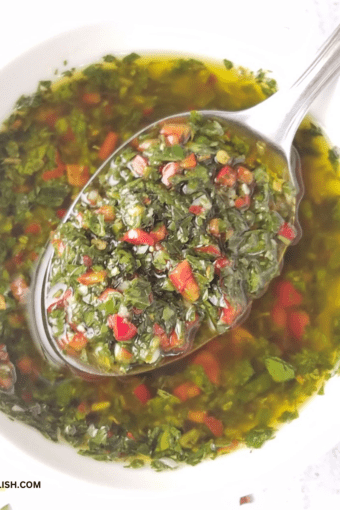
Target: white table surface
<point>281,25</point>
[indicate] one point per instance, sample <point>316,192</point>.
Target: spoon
<point>273,123</point>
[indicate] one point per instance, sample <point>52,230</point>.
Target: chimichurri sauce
<point>184,228</point>
<point>238,388</point>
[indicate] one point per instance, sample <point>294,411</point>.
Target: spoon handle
<point>278,117</point>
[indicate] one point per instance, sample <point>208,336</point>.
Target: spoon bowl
<point>273,124</point>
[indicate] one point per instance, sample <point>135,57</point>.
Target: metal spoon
<point>273,122</point>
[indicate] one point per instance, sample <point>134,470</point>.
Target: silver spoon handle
<point>278,117</point>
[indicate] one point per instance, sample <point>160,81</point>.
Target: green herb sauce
<point>237,389</point>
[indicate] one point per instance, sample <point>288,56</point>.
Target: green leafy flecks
<point>279,370</point>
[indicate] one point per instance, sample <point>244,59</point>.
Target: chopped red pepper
<point>108,145</point>
<point>279,316</point>
<point>196,209</point>
<point>142,392</point>
<point>87,261</point>
<point>77,175</point>
<point>168,171</point>
<point>210,365</point>
<point>244,175</point>
<point>148,111</point>
<point>159,234</point>
<point>181,131</point>
<point>243,202</point>
<point>227,176</point>
<point>220,263</point>
<point>186,391</point>
<point>48,116</point>
<point>91,98</point>
<point>61,213</point>
<point>183,279</point>
<point>107,293</point>
<point>107,211</point>
<point>189,161</point>
<point>77,342</point>
<point>123,329</point>
<point>168,343</point>
<point>297,322</point>
<point>146,144</point>
<point>175,343</point>
<point>197,416</point>
<point>139,164</point>
<point>214,425</point>
<point>210,249</point>
<point>56,172</point>
<point>138,236</point>
<point>214,227</point>
<point>92,277</point>
<point>287,294</point>
<point>33,228</point>
<point>60,245</point>
<point>123,355</point>
<point>229,313</point>
<point>287,233</point>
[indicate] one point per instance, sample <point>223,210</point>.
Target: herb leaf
<point>279,370</point>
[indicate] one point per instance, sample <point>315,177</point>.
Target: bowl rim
<point>240,465</point>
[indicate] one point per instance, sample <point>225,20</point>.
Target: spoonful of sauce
<point>174,236</point>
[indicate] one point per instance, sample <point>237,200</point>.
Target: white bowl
<point>298,443</point>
